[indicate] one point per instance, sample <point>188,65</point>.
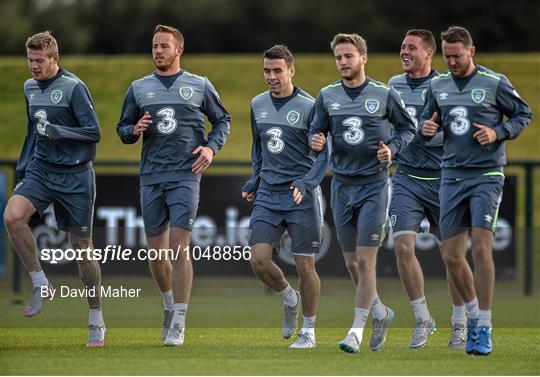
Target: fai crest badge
<point>293,116</point>
<point>56,96</point>
<point>372,105</point>
<point>478,95</point>
<point>186,92</point>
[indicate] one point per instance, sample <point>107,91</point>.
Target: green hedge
<point>237,78</point>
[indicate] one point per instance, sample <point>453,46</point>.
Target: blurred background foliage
<point>233,26</point>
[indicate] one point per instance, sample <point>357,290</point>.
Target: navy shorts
<point>72,194</point>
<point>470,202</point>
<point>167,204</point>
<point>360,213</point>
<point>414,199</point>
<point>275,211</point>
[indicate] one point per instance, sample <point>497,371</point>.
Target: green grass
<point>255,351</point>
<point>233,329</point>
<point>237,78</point>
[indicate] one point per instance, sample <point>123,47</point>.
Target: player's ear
<point>472,49</point>
<point>56,57</point>
<point>292,71</point>
<point>179,50</point>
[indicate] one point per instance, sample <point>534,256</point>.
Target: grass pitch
<point>239,334</point>
<point>255,351</point>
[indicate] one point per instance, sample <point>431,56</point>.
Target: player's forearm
<point>89,134</point>
<point>125,132</point>
<point>315,175</point>
<point>402,138</point>
<point>220,133</point>
<point>435,141</point>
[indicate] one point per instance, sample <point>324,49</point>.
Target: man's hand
<point>248,196</point>
<point>318,141</point>
<point>142,124</point>
<point>297,195</point>
<point>384,154</point>
<point>429,128</point>
<point>205,159</point>
<point>484,135</point>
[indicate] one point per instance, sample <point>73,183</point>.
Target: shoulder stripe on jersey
<point>304,97</point>
<point>396,77</point>
<point>489,75</point>
<point>193,75</point>
<point>441,75</point>
<point>145,77</point>
<point>70,78</point>
<point>259,95</point>
<point>333,85</point>
<point>379,85</point>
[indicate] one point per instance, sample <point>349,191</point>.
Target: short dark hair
<point>456,34</point>
<point>354,39</point>
<point>280,52</point>
<point>427,38</point>
<point>171,30</point>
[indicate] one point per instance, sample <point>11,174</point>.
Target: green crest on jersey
<point>56,96</point>
<point>478,95</point>
<point>186,92</point>
<point>371,105</point>
<point>293,116</point>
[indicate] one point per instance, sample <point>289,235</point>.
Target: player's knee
<point>13,218</point>
<point>365,263</point>
<point>305,269</point>
<point>482,254</point>
<point>404,251</point>
<point>258,262</point>
<point>452,260</point>
<point>352,265</point>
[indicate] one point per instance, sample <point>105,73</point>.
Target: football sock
<point>290,298</point>
<point>472,309</point>
<point>378,309</point>
<point>484,318</point>
<point>168,300</point>
<point>179,314</point>
<point>309,325</point>
<point>95,317</point>
<point>421,311</point>
<point>360,318</point>
<point>458,314</point>
<point>38,278</point>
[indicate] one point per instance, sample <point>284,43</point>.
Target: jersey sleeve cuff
<point>500,131</point>
<point>213,145</point>
<point>393,149</point>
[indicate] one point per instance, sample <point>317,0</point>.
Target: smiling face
<point>349,62</point>
<point>166,52</point>
<point>42,65</point>
<point>458,58</point>
<point>278,77</point>
<point>415,56</point>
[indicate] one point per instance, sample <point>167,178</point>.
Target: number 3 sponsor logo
<point>354,134</point>
<point>461,124</point>
<point>41,125</point>
<point>275,144</point>
<point>168,123</point>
